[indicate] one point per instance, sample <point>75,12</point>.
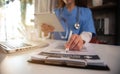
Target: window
<point>15,17</point>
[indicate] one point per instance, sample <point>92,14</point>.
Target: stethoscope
<point>76,25</point>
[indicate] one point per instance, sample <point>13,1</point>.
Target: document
<point>81,59</point>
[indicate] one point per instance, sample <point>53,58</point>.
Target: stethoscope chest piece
<point>77,26</point>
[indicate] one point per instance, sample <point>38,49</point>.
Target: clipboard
<point>49,18</point>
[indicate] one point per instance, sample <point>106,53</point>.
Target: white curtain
<point>10,22</point>
<point>43,6</point>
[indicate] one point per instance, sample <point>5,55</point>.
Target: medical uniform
<point>68,19</point>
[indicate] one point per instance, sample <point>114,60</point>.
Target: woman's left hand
<point>46,28</point>
<point>75,43</point>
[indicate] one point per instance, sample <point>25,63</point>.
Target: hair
<point>61,3</point>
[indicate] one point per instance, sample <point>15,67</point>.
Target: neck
<point>70,7</point>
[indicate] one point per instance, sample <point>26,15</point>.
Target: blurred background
<point>17,18</point>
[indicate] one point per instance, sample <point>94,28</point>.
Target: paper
<point>81,58</point>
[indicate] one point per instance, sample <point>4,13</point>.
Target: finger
<point>43,27</point>
<point>78,46</point>
<point>69,43</point>
<point>75,42</point>
<point>66,45</point>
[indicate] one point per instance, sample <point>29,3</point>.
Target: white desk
<point>16,63</point>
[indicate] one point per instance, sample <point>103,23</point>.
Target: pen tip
<point>67,49</point>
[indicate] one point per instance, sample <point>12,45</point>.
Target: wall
<point>118,24</point>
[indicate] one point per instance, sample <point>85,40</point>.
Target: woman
<point>76,19</point>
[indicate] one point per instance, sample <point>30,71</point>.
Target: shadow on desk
<point>102,68</point>
<point>2,55</point>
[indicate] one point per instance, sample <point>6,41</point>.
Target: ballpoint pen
<point>70,34</point>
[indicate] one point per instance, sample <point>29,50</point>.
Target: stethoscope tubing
<point>76,25</point>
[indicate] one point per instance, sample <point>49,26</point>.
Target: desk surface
<point>16,63</point>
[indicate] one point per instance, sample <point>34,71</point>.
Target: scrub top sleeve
<point>89,23</point>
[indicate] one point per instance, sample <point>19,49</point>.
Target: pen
<point>70,34</point>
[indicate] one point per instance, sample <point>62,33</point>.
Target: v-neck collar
<point>70,12</point>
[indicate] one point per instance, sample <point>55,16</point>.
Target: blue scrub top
<point>68,20</point>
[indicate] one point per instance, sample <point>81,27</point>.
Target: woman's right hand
<point>75,43</point>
